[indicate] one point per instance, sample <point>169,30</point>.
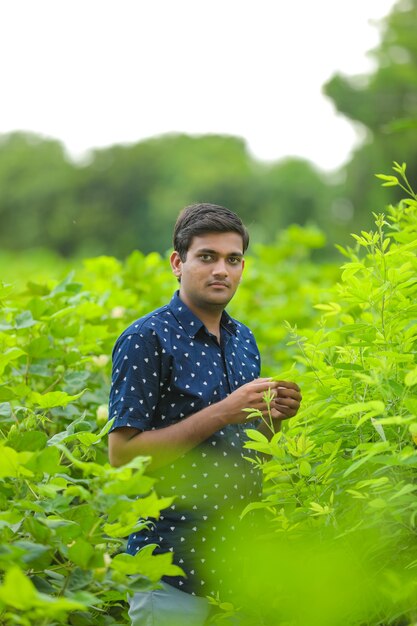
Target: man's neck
<point>210,317</point>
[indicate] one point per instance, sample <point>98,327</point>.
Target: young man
<point>182,376</point>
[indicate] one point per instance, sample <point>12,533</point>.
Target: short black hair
<point>202,218</point>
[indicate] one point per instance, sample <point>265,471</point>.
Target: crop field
<point>337,540</point>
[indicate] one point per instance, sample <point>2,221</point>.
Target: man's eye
<point>234,260</point>
<point>206,257</point>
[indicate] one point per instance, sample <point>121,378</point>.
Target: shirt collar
<point>190,322</point>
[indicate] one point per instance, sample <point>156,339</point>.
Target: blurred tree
<point>36,193</point>
<point>294,190</point>
<point>142,187</point>
<point>127,197</point>
<point>385,105</point>
<point>114,189</point>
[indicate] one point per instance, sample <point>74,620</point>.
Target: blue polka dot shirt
<point>167,366</point>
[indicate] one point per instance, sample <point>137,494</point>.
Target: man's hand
<point>286,401</point>
<point>249,396</point>
<point>285,404</point>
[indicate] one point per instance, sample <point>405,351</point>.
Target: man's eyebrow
<point>210,251</point>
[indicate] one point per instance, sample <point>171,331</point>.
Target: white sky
<point>97,72</point>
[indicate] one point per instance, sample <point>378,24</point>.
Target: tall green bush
<point>343,471</point>
<point>64,512</point>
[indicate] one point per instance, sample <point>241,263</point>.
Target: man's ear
<point>176,264</point>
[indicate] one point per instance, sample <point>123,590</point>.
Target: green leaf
<point>53,398</point>
<point>304,468</point>
<point>12,463</point>
<point>66,530</point>
<point>378,503</point>
<point>79,579</point>
<point>365,459</point>
<point>34,555</point>
<point>7,393</point>
<point>39,347</point>
<point>393,180</point>
<point>24,320</point>
<point>19,593</point>
<point>17,590</point>
<point>123,529</point>
<point>348,367</point>
<point>11,517</point>
<point>5,409</point>
<point>9,355</point>
<point>81,553</point>
<point>45,461</point>
<point>332,308</point>
<point>147,564</point>
<point>29,441</point>
<point>255,435</point>
<point>376,406</point>
<point>134,485</point>
<point>87,439</point>
<point>405,489</point>
<point>68,432</point>
<point>411,378</point>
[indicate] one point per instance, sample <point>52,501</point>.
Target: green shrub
<point>64,512</point>
<point>343,471</point>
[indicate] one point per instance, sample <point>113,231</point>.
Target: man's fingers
<point>291,402</point>
<point>287,384</point>
<point>284,392</point>
<point>264,382</point>
<point>289,405</point>
<point>287,409</point>
<point>283,415</point>
<point>260,385</point>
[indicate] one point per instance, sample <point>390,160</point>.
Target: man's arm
<point>165,445</point>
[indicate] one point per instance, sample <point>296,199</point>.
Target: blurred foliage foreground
<point>337,544</point>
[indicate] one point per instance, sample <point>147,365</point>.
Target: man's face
<point>211,271</point>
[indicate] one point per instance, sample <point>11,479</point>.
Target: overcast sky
<point>97,72</point>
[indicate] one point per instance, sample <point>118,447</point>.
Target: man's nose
<point>220,268</point>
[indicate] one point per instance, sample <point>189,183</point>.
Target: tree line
<point>126,197</point>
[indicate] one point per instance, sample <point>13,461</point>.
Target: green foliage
<point>339,511</point>
<point>64,512</point>
<point>37,205</point>
<point>384,103</point>
<point>345,466</point>
<point>127,197</point>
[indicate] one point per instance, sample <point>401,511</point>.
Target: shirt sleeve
<point>135,380</point>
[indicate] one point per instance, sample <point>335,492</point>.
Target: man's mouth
<point>218,283</point>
